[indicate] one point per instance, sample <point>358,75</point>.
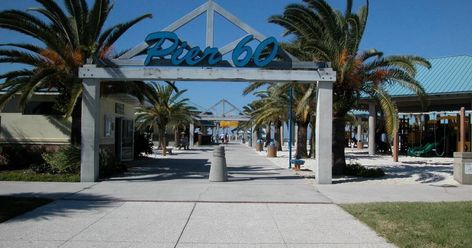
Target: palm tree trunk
<point>302,139</point>
<point>280,139</point>
<point>76,132</point>
<point>277,132</point>
<point>267,139</point>
<point>339,158</point>
<point>163,141</point>
<point>176,137</point>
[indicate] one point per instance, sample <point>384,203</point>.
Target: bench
<point>297,163</point>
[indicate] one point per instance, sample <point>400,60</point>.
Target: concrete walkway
<point>170,203</point>
<point>363,193</point>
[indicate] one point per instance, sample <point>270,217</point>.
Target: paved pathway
<point>170,203</point>
<point>361,193</point>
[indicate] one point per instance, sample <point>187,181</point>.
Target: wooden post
<point>461,147</point>
<point>395,146</point>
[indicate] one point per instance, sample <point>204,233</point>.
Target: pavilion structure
<point>448,86</point>
<point>222,111</point>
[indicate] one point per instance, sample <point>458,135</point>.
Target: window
<point>108,126</point>
<point>119,108</point>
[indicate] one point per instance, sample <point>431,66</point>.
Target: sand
<point>409,170</point>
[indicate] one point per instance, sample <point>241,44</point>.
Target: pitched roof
<point>448,75</point>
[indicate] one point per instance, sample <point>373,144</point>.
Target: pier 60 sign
<point>182,54</point>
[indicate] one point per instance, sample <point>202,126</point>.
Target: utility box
<point>463,167</point>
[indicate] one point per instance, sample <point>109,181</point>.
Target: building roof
<point>448,75</point>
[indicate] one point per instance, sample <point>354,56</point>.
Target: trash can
<point>463,167</point>
<point>259,145</point>
<point>272,150</point>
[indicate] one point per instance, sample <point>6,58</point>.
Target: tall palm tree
<point>168,109</point>
<point>67,38</point>
<point>335,36</point>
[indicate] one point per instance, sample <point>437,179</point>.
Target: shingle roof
<point>448,75</point>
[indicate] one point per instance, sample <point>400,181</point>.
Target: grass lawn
<point>418,224</point>
<point>28,175</point>
<point>13,206</point>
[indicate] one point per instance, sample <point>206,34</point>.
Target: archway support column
<point>372,117</point>
<point>191,134</point>
<point>324,133</point>
<point>90,131</point>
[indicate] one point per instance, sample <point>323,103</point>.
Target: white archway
<point>127,68</point>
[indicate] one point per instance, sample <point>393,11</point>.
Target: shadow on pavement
<point>165,169</point>
<point>62,207</point>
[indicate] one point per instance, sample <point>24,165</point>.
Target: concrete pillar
<point>359,134</point>
<point>295,134</point>
<point>218,169</point>
<point>191,135</point>
<point>90,131</point>
<point>372,115</point>
<point>324,133</point>
<point>461,147</point>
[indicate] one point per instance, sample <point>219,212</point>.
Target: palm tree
<point>303,102</point>
<point>272,110</point>
<point>67,38</point>
<point>334,36</point>
<point>168,109</point>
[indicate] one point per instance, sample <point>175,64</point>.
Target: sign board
<point>224,124</point>
<point>167,44</point>
<point>119,108</point>
<point>468,168</point>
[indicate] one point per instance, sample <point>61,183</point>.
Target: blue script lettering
<point>181,52</point>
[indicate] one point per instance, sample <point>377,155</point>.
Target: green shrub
<point>41,168</point>
<point>3,161</point>
<point>109,165</point>
<point>64,161</point>
<point>142,144</point>
<point>358,170</point>
<point>22,156</point>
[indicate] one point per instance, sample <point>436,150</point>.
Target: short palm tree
<point>273,110</point>
<point>168,108</point>
<point>335,36</point>
<point>67,38</point>
<point>303,103</point>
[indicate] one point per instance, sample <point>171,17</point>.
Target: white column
<point>90,131</point>
<point>372,115</point>
<point>324,133</point>
<point>191,134</point>
<point>295,134</point>
<point>359,130</point>
<point>282,135</point>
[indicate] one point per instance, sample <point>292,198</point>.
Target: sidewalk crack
<point>185,226</point>
<point>276,225</point>
<point>91,224</point>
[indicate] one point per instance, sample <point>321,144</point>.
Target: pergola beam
<point>206,74</point>
<point>223,118</point>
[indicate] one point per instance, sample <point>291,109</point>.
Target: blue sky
<point>428,28</point>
